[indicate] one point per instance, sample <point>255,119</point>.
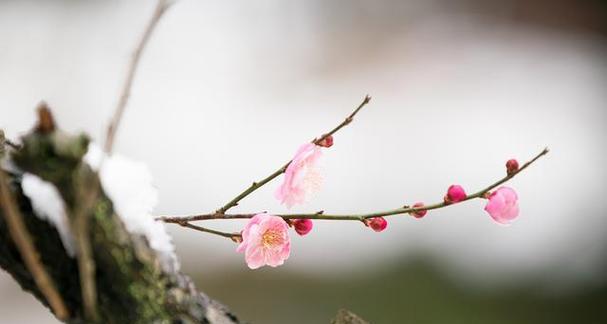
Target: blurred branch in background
<point>161,7</point>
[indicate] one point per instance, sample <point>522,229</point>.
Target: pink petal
<point>503,205</point>
<point>254,257</point>
<point>292,190</point>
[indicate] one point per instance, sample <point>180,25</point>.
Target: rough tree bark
<point>134,285</point>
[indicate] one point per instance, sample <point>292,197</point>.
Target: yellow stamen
<point>272,238</point>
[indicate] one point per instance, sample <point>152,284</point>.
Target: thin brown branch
<point>25,245</point>
<point>261,183</point>
<point>236,237</point>
<point>161,8</point>
<point>346,121</point>
<point>355,217</point>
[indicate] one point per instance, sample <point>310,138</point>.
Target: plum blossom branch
<point>358,217</point>
<point>25,245</point>
<point>256,185</point>
<point>161,8</point>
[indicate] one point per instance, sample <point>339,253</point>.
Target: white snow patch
<point>130,187</point>
<point>48,205</point>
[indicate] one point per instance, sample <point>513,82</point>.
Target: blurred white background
<point>227,91</point>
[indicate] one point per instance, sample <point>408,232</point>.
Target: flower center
<point>272,238</point>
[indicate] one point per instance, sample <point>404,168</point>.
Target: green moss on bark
<point>133,284</point>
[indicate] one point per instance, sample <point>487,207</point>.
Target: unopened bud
<point>377,224</point>
<point>303,226</point>
<point>512,166</point>
<point>419,213</point>
<point>455,194</point>
<point>326,142</point>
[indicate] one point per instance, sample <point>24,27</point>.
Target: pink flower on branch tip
<point>303,226</point>
<point>419,213</point>
<point>455,194</point>
<point>377,224</point>
<point>265,241</point>
<point>503,205</point>
<point>326,142</point>
<point>512,166</point>
<point>302,176</point>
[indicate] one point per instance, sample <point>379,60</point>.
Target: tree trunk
<point>134,284</point>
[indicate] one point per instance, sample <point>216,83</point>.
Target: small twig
<point>25,245</point>
<point>161,8</point>
<point>258,184</point>
<point>346,121</point>
<point>233,236</point>
<point>354,217</point>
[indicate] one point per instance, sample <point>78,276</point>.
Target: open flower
<point>302,176</point>
<point>265,241</point>
<point>503,205</point>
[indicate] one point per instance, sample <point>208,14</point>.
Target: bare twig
<point>261,183</point>
<point>354,217</point>
<point>161,8</point>
<point>236,237</point>
<point>26,247</point>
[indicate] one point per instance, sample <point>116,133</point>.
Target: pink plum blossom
<point>303,226</point>
<point>302,176</point>
<point>503,205</point>
<point>455,194</point>
<point>265,241</point>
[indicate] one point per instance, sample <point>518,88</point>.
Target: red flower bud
<point>326,142</point>
<point>419,213</point>
<point>455,194</point>
<point>377,224</point>
<point>303,226</point>
<point>512,166</point>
